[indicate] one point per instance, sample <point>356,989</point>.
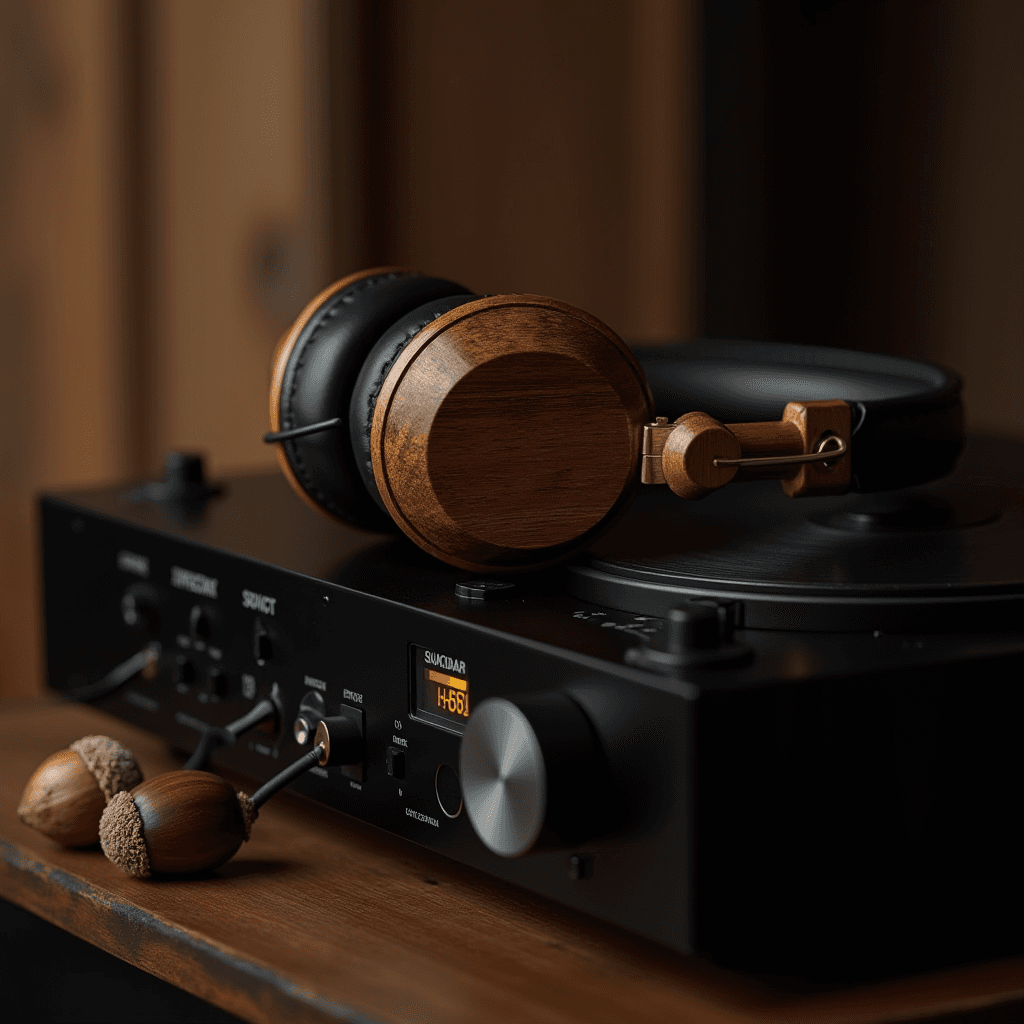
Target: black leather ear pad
<point>317,385</point>
<point>371,379</point>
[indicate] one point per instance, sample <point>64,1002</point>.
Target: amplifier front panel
<point>233,631</point>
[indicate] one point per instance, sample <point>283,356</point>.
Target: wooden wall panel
<point>863,168</point>
<point>977,321</point>
<point>176,179</point>
<point>61,346</point>
<point>238,202</point>
<point>663,270</point>
<point>162,194</point>
<point>546,147</point>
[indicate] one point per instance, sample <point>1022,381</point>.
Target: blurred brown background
<point>177,178</point>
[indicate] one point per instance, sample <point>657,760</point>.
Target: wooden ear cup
<point>314,369</point>
<point>507,433</point>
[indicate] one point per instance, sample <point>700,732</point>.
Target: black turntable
<point>784,734</point>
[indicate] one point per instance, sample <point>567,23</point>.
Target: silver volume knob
<point>504,781</point>
<point>533,774</point>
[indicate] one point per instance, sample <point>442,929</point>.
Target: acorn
<point>189,821</point>
<point>67,794</point>
<point>178,823</point>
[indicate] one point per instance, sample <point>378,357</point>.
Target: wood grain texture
<point>769,439</point>
<point>573,173</point>
<point>322,918</point>
<point>507,434</point>
<point>804,425</point>
<point>191,821</point>
<point>63,801</point>
<point>688,457</point>
<point>236,206</point>
<point>816,421</point>
<point>688,453</point>
<point>664,125</point>
<point>655,436</point>
<point>970,315</point>
<point>772,438</point>
<point>63,350</point>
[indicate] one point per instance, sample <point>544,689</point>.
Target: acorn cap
<point>249,812</point>
<point>113,766</point>
<point>67,793</point>
<point>121,836</point>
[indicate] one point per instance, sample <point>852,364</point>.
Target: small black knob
<point>184,476</point>
<point>183,489</point>
<point>692,626</point>
<point>484,590</point>
<point>698,632</point>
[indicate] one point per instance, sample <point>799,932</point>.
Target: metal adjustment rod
<point>829,448</point>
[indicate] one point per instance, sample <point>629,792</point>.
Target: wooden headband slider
<point>805,449</point>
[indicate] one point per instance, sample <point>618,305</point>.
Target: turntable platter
<point>949,557</point>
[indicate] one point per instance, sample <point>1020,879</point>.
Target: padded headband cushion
<point>371,379</point>
<point>317,385</point>
<point>907,415</point>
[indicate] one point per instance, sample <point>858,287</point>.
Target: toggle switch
<point>262,645</point>
<point>396,762</point>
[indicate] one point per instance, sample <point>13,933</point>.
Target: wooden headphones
<point>505,432</point>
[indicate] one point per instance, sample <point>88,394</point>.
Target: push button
<point>353,771</point>
<point>449,792</point>
<point>396,762</point>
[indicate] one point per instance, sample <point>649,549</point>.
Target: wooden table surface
<point>320,917</point>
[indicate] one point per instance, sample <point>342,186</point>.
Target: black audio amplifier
<point>785,734</point>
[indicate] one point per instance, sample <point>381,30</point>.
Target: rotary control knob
<point>533,773</point>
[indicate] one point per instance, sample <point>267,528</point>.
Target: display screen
<point>441,687</point>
